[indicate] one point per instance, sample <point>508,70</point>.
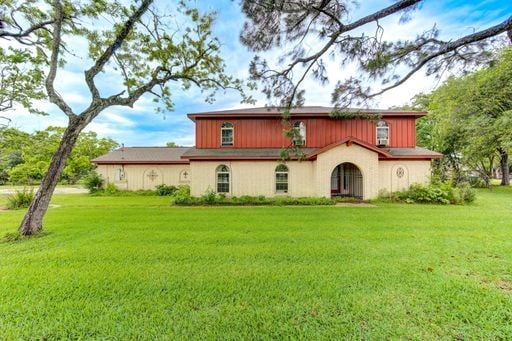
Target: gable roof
<point>306,111</point>
<point>143,155</point>
<point>349,140</point>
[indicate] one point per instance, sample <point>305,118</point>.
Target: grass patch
<point>134,267</point>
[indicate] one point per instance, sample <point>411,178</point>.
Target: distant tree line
<point>24,157</point>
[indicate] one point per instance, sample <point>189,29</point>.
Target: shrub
<point>111,189</point>
<point>20,199</point>
<point>93,182</point>
<point>182,197</point>
<point>435,193</point>
<point>463,193</point>
<point>210,197</point>
<point>477,182</point>
<point>164,190</point>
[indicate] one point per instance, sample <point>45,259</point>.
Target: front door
<point>347,180</point>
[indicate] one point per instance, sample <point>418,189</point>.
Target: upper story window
<point>382,133</point>
<point>222,175</point>
<point>226,134</point>
<point>299,134</point>
<point>281,179</point>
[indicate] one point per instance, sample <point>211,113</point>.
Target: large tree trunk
<point>33,220</point>
<point>505,173</point>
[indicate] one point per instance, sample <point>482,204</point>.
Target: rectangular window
<point>227,137</point>
<point>281,182</point>
<point>223,183</point>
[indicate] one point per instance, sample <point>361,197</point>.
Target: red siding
<point>320,132</point>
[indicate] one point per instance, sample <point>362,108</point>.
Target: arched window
<point>299,134</point>
<point>222,175</point>
<point>226,134</point>
<point>281,179</point>
<point>382,133</point>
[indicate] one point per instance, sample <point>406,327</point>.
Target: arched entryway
<point>347,181</point>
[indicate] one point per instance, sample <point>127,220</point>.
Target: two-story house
<point>239,152</point>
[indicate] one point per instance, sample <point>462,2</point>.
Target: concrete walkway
<point>58,190</point>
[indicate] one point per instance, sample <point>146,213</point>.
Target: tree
<point>24,158</point>
<point>144,47</point>
<point>12,141</point>
<point>19,83</point>
<point>472,116</point>
<point>21,74</point>
<point>326,24</point>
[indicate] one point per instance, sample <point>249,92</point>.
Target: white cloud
<point>140,125</point>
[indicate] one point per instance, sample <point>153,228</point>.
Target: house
<point>238,152</point>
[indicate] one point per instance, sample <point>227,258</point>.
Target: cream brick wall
<point>414,171</point>
<point>306,178</point>
<point>253,177</point>
<point>367,161</point>
<point>137,177</point>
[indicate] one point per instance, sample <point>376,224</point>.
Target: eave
<point>151,162</point>
<point>349,141</point>
<point>303,112</point>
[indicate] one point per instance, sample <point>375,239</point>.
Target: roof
<point>194,154</point>
<point>299,112</point>
<point>413,153</point>
<point>349,140</point>
<point>144,155</point>
<point>240,153</point>
<point>183,155</point>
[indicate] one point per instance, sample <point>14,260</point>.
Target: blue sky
<point>141,126</point>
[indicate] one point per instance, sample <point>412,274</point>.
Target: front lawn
<point>133,267</point>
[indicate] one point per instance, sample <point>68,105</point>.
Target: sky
<point>142,126</point>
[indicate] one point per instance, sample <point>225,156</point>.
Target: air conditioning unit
<point>382,142</point>
<point>298,142</point>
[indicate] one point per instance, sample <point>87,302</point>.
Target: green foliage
<point>463,193</point>
<point>24,158</point>
<point>20,199</point>
<point>110,189</point>
<point>469,121</point>
<point>210,198</point>
<point>182,196</point>
<point>22,78</point>
<point>163,189</point>
<point>435,193</point>
<point>135,268</point>
<point>93,182</point>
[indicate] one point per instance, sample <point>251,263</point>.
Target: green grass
<point>132,267</point>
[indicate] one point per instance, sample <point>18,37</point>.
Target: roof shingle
<point>155,155</point>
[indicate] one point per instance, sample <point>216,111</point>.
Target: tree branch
<point>109,51</point>
<point>451,47</point>
<point>26,33</point>
<point>54,97</point>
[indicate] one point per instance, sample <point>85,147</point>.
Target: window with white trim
<point>299,134</point>
<point>281,179</point>
<point>222,176</point>
<point>226,134</point>
<point>382,133</point>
